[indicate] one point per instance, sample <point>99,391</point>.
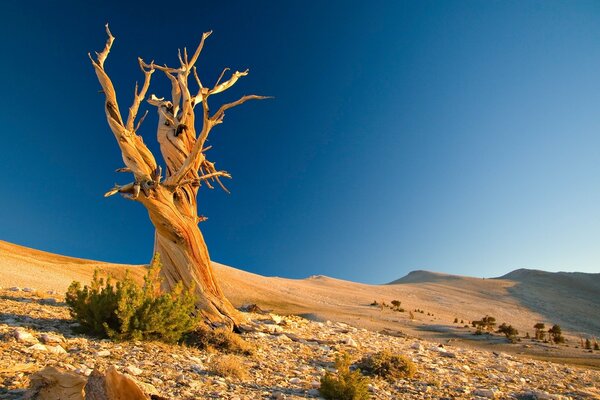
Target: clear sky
<point>461,137</point>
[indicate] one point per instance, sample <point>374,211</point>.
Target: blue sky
<point>461,137</point>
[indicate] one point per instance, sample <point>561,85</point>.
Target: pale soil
<point>320,298</point>
<point>291,356</point>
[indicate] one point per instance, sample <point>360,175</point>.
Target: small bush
<point>219,339</point>
<point>127,311</point>
<point>228,366</point>
<point>508,330</point>
<point>388,366</point>
<point>346,384</point>
<point>596,346</point>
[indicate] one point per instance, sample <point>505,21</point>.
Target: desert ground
<point>320,306</point>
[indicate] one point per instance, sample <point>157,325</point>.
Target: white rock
<point>49,338</point>
<point>133,370</point>
<point>38,347</point>
<point>417,346</point>
<point>103,353</point>
<point>350,342</point>
<point>24,336</point>
<point>58,349</point>
<point>295,381</point>
<point>276,318</point>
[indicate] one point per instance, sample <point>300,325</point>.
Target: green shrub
<point>346,384</point>
<point>556,334</point>
<point>508,330</point>
<point>128,311</point>
<point>388,365</point>
<point>219,339</point>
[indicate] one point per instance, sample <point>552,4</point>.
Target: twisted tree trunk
<point>171,202</point>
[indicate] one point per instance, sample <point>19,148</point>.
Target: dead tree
<point>171,201</point>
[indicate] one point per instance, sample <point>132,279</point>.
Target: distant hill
<point>568,298</point>
<point>422,276</point>
<point>520,298</point>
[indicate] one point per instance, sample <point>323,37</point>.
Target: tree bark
<point>171,203</point>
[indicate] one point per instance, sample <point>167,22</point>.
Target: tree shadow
<point>41,301</point>
<point>38,324</point>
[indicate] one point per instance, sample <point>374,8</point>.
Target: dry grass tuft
<point>229,366</point>
<point>221,340</point>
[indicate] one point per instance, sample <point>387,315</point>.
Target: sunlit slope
<point>520,301</point>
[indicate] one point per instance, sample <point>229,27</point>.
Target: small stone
<point>58,349</point>
<point>24,336</point>
<point>315,384</point>
<point>133,370</point>
<point>350,342</point>
<point>313,393</point>
<point>103,353</point>
<point>417,346</point>
<point>277,395</point>
<point>295,381</point>
<point>14,289</point>
<point>49,338</point>
<point>29,290</point>
<point>487,393</point>
<point>38,347</point>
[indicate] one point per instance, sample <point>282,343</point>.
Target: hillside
<point>445,297</point>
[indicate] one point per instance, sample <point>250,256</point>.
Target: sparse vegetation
<point>487,323</point>
<point>596,346</point>
<point>387,365</point>
<point>346,384</point>
<point>588,344</point>
<point>127,310</point>
<point>228,366</point>
<point>456,320</point>
<point>540,330</point>
<point>509,331</point>
<point>556,334</point>
<point>219,339</point>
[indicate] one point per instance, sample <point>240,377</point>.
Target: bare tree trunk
<point>171,203</point>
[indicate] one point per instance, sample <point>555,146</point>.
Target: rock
<point>133,370</point>
<point>114,385</point>
<point>37,347</point>
<point>350,342</point>
<point>58,349</point>
<point>313,393</point>
<point>52,384</point>
<point>277,395</point>
<point>277,319</point>
<point>295,381</point>
<point>417,346</point>
<point>14,289</point>
<point>49,338</point>
<point>24,336</point>
<point>487,393</point>
<point>103,353</point>
<point>315,384</point>
<point>29,290</point>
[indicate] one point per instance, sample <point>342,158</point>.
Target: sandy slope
<point>520,300</point>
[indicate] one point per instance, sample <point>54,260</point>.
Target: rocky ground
<point>292,354</point>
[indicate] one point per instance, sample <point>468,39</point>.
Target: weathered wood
<point>171,203</point>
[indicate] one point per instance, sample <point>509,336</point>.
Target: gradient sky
<point>461,137</point>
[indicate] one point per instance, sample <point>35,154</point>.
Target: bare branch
<point>102,55</point>
<point>136,156</point>
<point>191,63</point>
<point>137,127</point>
<point>229,83</point>
<point>139,97</point>
<point>218,116</point>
